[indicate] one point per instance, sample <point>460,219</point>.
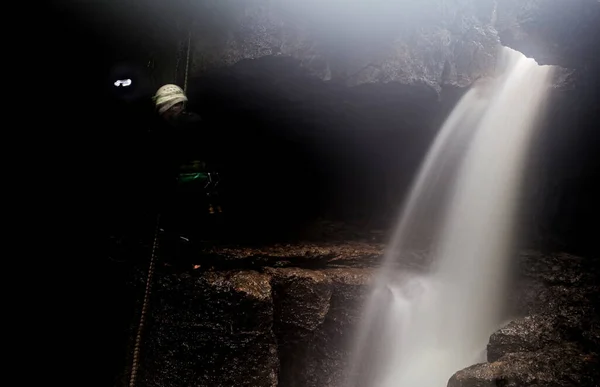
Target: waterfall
<point>419,329</point>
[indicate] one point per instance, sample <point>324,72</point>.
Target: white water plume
<point>428,326</point>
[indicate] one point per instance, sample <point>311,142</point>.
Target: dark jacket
<point>173,144</point>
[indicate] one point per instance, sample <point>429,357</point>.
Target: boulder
<point>301,303</point>
<point>556,343</point>
<point>531,334</point>
<point>328,352</point>
<point>301,298</point>
<point>558,366</point>
<point>285,326</point>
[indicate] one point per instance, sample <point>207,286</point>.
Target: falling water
<point>421,328</point>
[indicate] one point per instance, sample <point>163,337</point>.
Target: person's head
<point>169,101</point>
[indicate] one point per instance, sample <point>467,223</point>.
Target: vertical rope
<point>177,60</point>
<point>138,338</point>
<point>187,62</point>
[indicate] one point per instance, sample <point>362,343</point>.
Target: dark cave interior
<point>304,146</point>
<point>294,149</point>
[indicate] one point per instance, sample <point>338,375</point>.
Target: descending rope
<point>138,338</point>
<point>187,60</point>
<point>148,290</point>
<point>178,61</point>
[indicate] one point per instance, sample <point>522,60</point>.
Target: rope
<point>178,60</point>
<point>187,61</point>
<point>138,338</point>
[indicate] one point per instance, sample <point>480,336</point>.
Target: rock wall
<point>292,325</point>
<point>435,42</point>
<point>278,327</point>
<point>556,342</point>
<point>428,42</point>
<point>556,32</point>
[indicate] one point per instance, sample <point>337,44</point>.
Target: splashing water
<point>420,329</point>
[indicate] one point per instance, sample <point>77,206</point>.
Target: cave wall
<point>435,43</point>
<point>363,93</point>
<point>555,32</point>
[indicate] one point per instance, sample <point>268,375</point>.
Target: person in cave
<point>181,144</point>
<point>170,103</point>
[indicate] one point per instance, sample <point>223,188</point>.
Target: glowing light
<point>123,82</point>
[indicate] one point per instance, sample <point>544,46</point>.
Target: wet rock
<point>301,303</point>
<point>187,356</point>
<point>293,326</point>
<point>557,283</point>
<point>301,298</point>
<point>533,297</point>
<point>229,302</point>
<point>328,352</point>
<point>350,290</point>
<point>305,255</point>
<point>211,329</point>
<point>533,333</point>
<point>315,315</point>
<point>556,343</point>
<point>558,366</point>
<point>285,326</point>
<point>554,268</point>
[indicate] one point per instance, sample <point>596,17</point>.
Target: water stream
<point>419,329</point>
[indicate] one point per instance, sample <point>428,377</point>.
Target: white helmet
<point>168,96</point>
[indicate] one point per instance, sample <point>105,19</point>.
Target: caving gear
<point>168,96</point>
